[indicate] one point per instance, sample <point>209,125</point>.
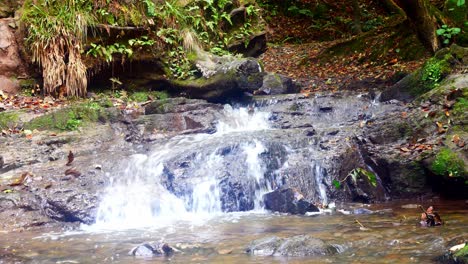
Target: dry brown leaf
<point>21,179</point>
<point>73,171</point>
<point>71,157</point>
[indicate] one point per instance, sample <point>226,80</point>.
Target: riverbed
<point>392,236</point>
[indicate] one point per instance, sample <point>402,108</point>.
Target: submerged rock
<point>150,249</point>
<point>358,211</point>
<point>296,246</point>
<point>288,200</point>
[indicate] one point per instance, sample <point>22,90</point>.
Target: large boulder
<point>274,84</point>
<point>12,66</point>
<point>223,78</point>
<point>288,200</point>
<point>296,246</point>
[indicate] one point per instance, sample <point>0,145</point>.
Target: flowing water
<point>139,205</point>
<point>391,238</point>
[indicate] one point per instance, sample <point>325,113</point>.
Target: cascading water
<point>138,197</point>
<point>319,174</point>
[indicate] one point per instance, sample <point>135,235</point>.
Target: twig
<point>357,221</point>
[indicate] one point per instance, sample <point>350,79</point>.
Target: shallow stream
<point>393,237</point>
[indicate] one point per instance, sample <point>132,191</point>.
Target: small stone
<point>359,211</point>
<point>410,206</point>
<point>457,247</point>
<point>224,251</point>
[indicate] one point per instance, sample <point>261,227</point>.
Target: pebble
<point>410,206</point>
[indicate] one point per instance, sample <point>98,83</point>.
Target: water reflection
<point>391,238</point>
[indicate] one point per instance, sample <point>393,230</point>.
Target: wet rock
<point>224,78</point>
<point>274,84</point>
<point>265,246</point>
<point>257,44</point>
<point>360,211</point>
<point>288,200</point>
<point>151,249</point>
<point>296,246</point>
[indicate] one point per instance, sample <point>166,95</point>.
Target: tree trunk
<point>423,21</point>
<point>357,17</point>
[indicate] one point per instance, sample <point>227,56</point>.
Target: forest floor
<point>299,48</point>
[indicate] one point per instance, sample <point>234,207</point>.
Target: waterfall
<point>138,196</point>
<point>256,170</point>
<point>319,174</point>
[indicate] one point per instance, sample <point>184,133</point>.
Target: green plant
<point>447,163</point>
<point>434,70</point>
<point>447,33</point>
<point>296,11</point>
<point>56,31</point>
<point>355,174</point>
<point>150,8</point>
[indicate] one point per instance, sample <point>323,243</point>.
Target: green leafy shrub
<point>434,70</point>
<point>447,33</point>
<point>447,163</point>
<point>355,174</point>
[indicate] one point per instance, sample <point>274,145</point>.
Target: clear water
<point>391,238</point>
<point>136,208</point>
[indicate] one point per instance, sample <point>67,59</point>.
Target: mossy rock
<point>71,118</point>
<point>431,75</point>
<point>448,164</point>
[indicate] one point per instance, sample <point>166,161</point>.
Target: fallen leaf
<point>72,171</point>
<point>404,114</point>
<point>21,179</point>
<point>440,128</point>
<point>456,139</point>
<point>71,157</point>
<point>404,149</point>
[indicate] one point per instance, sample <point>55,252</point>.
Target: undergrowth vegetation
<point>173,31</point>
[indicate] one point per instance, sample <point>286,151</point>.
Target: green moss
<point>145,96</point>
<point>70,118</point>
<point>8,119</point>
<point>139,97</point>
<point>447,163</point>
<point>431,74</point>
<point>460,108</point>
